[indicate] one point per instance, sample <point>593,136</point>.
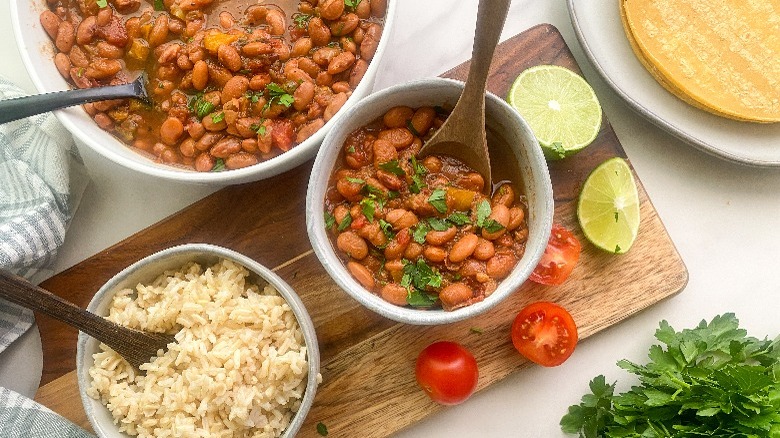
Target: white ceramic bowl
<point>37,52</point>
<point>149,268</point>
<point>501,118</point>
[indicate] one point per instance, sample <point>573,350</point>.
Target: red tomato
<point>559,258</point>
<point>545,333</point>
<point>447,372</point>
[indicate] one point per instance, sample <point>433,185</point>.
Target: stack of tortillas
<point>722,56</point>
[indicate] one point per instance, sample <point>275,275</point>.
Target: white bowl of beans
<point>242,91</point>
<point>416,240</point>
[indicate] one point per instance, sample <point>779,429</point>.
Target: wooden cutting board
<point>368,361</point>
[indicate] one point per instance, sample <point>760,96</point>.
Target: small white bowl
<point>37,53</point>
<point>149,268</point>
<point>501,118</point>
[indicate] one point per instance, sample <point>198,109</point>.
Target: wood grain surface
<point>368,361</point>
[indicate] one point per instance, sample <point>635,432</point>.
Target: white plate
<point>600,32</point>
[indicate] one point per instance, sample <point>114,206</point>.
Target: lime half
<point>608,208</point>
<point>560,106</point>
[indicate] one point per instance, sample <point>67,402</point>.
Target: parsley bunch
<point>710,381</point>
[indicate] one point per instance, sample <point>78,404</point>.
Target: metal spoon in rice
<point>137,347</point>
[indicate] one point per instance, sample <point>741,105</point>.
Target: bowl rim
<point>284,289</point>
<point>335,267</point>
<point>263,170</point>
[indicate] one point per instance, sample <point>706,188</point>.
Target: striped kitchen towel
<point>21,417</point>
<point>37,156</point>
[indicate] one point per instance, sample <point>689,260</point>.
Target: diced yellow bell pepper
<point>461,199</point>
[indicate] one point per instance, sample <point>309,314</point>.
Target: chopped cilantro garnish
<point>417,278</point>
<point>416,298</point>
<point>392,167</point>
<point>438,200</point>
<point>483,211</point>
<point>279,95</point>
<point>351,4</point>
<point>101,3</point>
<point>259,129</point>
<point>330,220</point>
<point>492,226</point>
<point>558,149</point>
<point>459,218</point>
<point>419,169</point>
<point>217,118</point>
<point>351,149</point>
<point>410,127</point>
<point>438,224</point>
<point>322,429</point>
<point>419,232</point>
<point>368,207</point>
<point>301,20</point>
<point>417,184</point>
<point>159,5</point>
<point>386,228</point>
<point>392,194</point>
<point>200,106</point>
<point>346,222</point>
<point>219,165</point>
<point>355,180</point>
<point>375,191</point>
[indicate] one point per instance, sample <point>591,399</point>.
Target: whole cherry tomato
<point>545,333</point>
<point>447,372</point>
<point>559,258</point>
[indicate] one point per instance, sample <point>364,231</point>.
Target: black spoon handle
<point>21,107</point>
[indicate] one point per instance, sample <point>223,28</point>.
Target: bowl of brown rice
<point>245,361</point>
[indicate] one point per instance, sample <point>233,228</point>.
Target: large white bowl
<point>37,52</point>
<point>503,120</point>
<point>149,268</point>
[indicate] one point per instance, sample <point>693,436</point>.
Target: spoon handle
<point>20,291</point>
<point>21,107</point>
<point>491,15</point>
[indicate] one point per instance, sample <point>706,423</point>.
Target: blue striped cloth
<point>37,159</point>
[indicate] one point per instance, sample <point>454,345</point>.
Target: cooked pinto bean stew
<point>420,233</point>
<point>234,82</point>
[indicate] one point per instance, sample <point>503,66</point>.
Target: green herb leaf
<point>483,211</point>
<point>411,128</point>
<point>259,129</point>
<point>418,278</point>
<point>438,224</point>
<point>219,165</point>
<point>200,106</point>
<point>558,150</point>
<point>417,184</point>
<point>419,232</point>
<point>346,222</point>
<point>159,5</point>
<point>416,298</point>
<point>216,118</point>
<point>330,220</point>
<point>101,3</point>
<point>459,218</point>
<point>392,167</point>
<point>322,429</point>
<point>351,4</point>
<point>368,207</point>
<point>301,20</point>
<point>386,228</point>
<point>355,180</point>
<point>438,200</point>
<point>492,226</point>
<point>279,95</point>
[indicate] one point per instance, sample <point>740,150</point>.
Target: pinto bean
<point>363,9</point>
<point>62,62</point>
<point>398,116</point>
<point>378,8</point>
<point>455,295</point>
<point>171,130</point>
<point>240,160</point>
<point>303,96</point>
<point>472,181</point>
<point>341,87</point>
<point>204,162</point>
<point>301,47</point>
<point>434,254</point>
<point>103,121</point>
<point>357,73</point>
<point>200,75</point>
<point>335,104</point>
<point>187,148</point>
<point>383,152</point>
<point>259,81</point>
<point>400,138</point>
<point>207,140</point>
<point>229,57</point>
<point>441,237</point>
<point>51,23</point>
<point>413,251</point>
<point>86,31</point>
<point>505,195</point>
<point>196,130</point>
<point>484,249</point>
<point>226,147</point>
<point>102,68</point>
<point>463,248</point>
<point>400,218</point>
<point>310,67</point>
<point>324,55</point>
<point>309,129</point>
<point>318,32</point>
<point>159,32</point>
<point>331,9</point>
<point>516,216</point>
<point>500,265</point>
<point>394,293</point>
<point>397,246</point>
<point>361,274</point>
<point>109,51</point>
<point>66,37</point>
<point>257,48</point>
<point>341,62</point>
<point>235,87</point>
<point>370,41</point>
<point>276,22</point>
<point>422,120</point>
<point>345,25</point>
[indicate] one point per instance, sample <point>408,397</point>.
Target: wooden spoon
<point>21,107</point>
<point>463,134</point>
<point>135,346</point>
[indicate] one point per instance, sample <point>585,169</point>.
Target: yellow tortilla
<point>722,56</point>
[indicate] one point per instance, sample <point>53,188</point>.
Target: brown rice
<point>238,368</point>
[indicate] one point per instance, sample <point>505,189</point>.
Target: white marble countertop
<point>723,218</point>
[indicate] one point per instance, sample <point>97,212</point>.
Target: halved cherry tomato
<point>560,257</point>
<point>447,372</point>
<point>545,333</point>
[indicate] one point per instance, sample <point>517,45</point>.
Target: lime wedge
<point>608,208</point>
<point>560,106</point>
